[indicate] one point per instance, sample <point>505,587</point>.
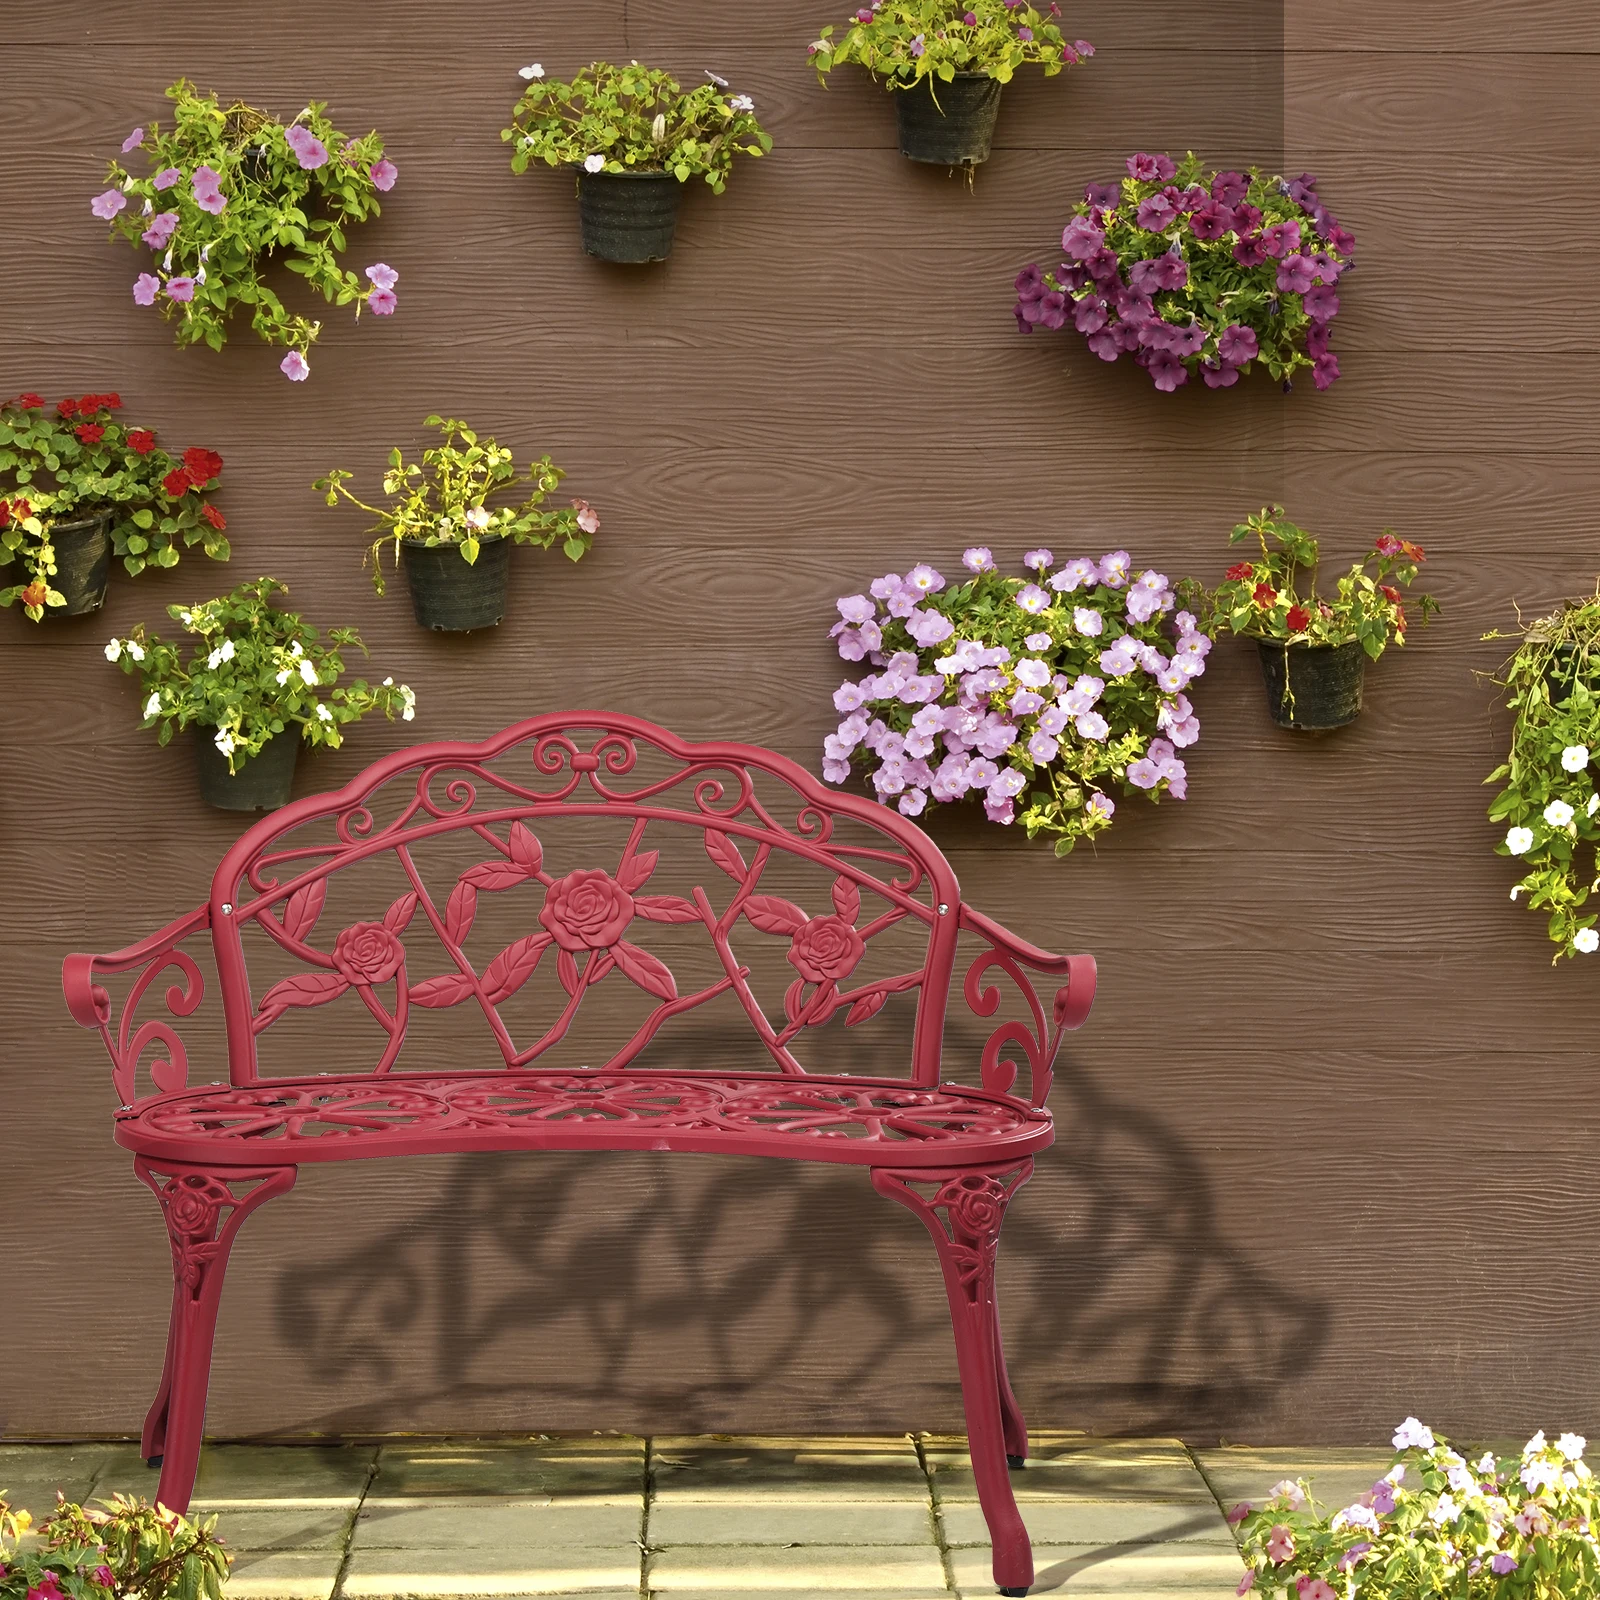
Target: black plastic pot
<point>628,217</point>
<point>451,596</point>
<point>263,781</point>
<point>83,564</point>
<point>949,124</point>
<point>1562,672</point>
<point>1313,688</point>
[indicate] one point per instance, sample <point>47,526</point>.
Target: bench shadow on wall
<point>587,1288</point>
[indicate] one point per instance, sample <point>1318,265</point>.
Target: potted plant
<point>253,674</point>
<point>230,189</point>
<point>125,1549</point>
<point>77,484</point>
<point>1548,797</point>
<point>454,546</point>
<point>634,138</point>
<point>1195,272</point>
<point>1037,694</point>
<point>1518,1526</point>
<point>946,62</point>
<point>1314,650</point>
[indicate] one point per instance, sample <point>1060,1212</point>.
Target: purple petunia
<point>383,173</point>
<point>1238,344</point>
<point>167,177</point>
<point>1321,304</point>
<point>1294,274</point>
<point>1033,599</point>
<point>1229,188</point>
<point>180,288</point>
<point>145,288</point>
<point>1156,214</point>
<point>1281,239</point>
<point>1151,169</point>
<point>1103,196</point>
<point>1166,371</point>
<point>1211,221</point>
<point>133,141</point>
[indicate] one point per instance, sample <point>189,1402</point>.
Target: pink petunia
<point>381,302</point>
<point>308,149</point>
<point>145,288</point>
<point>107,205</point>
<point>133,141</point>
<point>167,177</point>
<point>295,367</point>
<point>180,288</point>
<point>162,227</point>
<point>383,173</point>
<point>1280,1542</point>
<point>383,277</point>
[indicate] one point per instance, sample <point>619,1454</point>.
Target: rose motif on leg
<point>976,1203</point>
<point>586,910</point>
<point>193,1213</point>
<point>366,952</point>
<point>825,949</point>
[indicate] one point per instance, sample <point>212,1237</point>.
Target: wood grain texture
<point>1327,1148</point>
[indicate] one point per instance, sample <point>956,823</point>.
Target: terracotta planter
<point>451,596</point>
<point>628,217</point>
<point>83,564</point>
<point>262,783</point>
<point>1312,688</point>
<point>949,124</point>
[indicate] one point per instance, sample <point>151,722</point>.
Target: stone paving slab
<point>1097,1522</point>
<point>1135,1571</point>
<point>1072,1466</point>
<point>773,1519</point>
<point>470,1526</point>
<point>606,1468</point>
<point>1337,1476</point>
<point>762,1468</point>
<point>283,1574</point>
<point>496,1572</point>
<point>30,1474</point>
<point>304,1528</point>
<point>876,1571</point>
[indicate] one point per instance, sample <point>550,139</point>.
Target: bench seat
<point>868,1121</point>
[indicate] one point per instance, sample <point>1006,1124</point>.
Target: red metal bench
<point>467,834</point>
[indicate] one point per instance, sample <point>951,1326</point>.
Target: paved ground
<point>621,1518</point>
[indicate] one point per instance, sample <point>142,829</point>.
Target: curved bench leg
<point>963,1214</point>
<point>1016,1430</point>
<point>204,1209</point>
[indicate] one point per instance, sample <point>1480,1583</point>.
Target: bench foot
<point>963,1214</point>
<point>154,1461</point>
<point>1016,1461</point>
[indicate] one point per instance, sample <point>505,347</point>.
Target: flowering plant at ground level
<point>633,119</point>
<point>1549,797</point>
<point>1435,1524</point>
<point>1197,273</point>
<point>229,187</point>
<point>915,39</point>
<point>252,672</point>
<point>441,500</point>
<point>77,459</point>
<point>125,1549</point>
<point>1261,598</point>
<point>1036,694</point>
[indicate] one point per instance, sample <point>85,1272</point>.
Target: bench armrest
<point>91,1004</point>
<point>1041,1043</point>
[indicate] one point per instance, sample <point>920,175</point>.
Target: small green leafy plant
<point>910,40</point>
<point>78,461</point>
<point>1552,686</point>
<point>1435,1525</point>
<point>229,189</point>
<point>253,671</point>
<point>443,500</point>
<point>130,1550</point>
<point>1261,599</point>
<point>633,119</point>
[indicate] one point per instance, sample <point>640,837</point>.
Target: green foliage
<point>79,460</point>
<point>443,499</point>
<point>634,119</point>
<point>1262,599</point>
<point>253,671</point>
<point>909,40</point>
<point>275,207</point>
<point>130,1550</point>
<point>1548,797</point>
<point>1436,1526</point>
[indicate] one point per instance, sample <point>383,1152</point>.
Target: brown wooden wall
<point>1327,1148</point>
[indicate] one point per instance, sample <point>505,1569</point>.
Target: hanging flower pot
<point>628,217</point>
<point>635,138</point>
<point>948,124</point>
<point>83,563</point>
<point>263,781</point>
<point>451,596</point>
<point>1312,688</point>
<point>455,548</point>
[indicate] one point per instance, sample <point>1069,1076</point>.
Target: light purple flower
<point>837,748</point>
<point>382,276</point>
<point>981,773</point>
<point>836,771</point>
<point>1156,214</point>
<point>1033,599</point>
<point>145,288</point>
<point>1294,275</point>
<point>913,801</point>
<point>308,149</point>
<point>1101,805</point>
<point>1166,371</point>
<point>1151,169</point>
<point>1053,720</point>
<point>919,744</point>
<point>851,646</point>
<point>167,177</point>
<point>162,227</point>
<point>1037,641</point>
<point>923,579</point>
<point>929,628</point>
<point>1025,702</point>
<point>856,608</point>
<point>916,47</point>
<point>994,737</point>
<point>848,697</point>
<point>1091,725</point>
<point>1114,568</point>
<point>133,141</point>
<point>1081,238</point>
<point>1281,239</point>
<point>205,179</point>
<point>1152,660</point>
<point>1038,560</point>
<point>891,583</point>
<point>180,288</point>
<point>1001,811</point>
<point>1144,773</point>
<point>1119,660</point>
<point>1042,747</point>
<point>383,173</point>
<point>1088,622</point>
<point>1033,673</point>
<point>107,205</point>
<point>978,559</point>
<point>295,367</point>
<point>1074,576</point>
<point>381,302</point>
<point>1025,35</point>
<point>1501,1562</point>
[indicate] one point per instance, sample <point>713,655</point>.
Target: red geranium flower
<point>1265,595</point>
<point>203,465</point>
<point>213,516</point>
<point>177,482</point>
<point>67,408</point>
<point>1241,573</point>
<point>1299,618</point>
<point>1392,595</point>
<point>112,402</point>
<point>27,402</point>
<point>21,509</point>
<point>5,515</point>
<point>141,441</point>
<point>90,432</point>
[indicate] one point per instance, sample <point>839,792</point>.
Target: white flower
<point>530,73</point>
<point>324,714</point>
<point>308,674</point>
<point>721,83</point>
<point>1519,841</point>
<point>594,163</point>
<point>1586,941</point>
<point>1534,1445</point>
<point>152,705</point>
<point>225,741</point>
<point>388,683</point>
<point>1445,1511</point>
<point>410,698</point>
<point>214,659</point>
<point>186,617</point>
<point>200,276</point>
<point>1487,1464</point>
<point>114,650</point>
<point>134,649</point>
<point>227,649</point>
<point>477,517</point>
<point>1558,813</point>
<point>283,677</point>
<point>741,102</point>
<point>1575,757</point>
<point>148,208</point>
<point>1518,890</point>
<point>1593,805</point>
<point>295,649</point>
